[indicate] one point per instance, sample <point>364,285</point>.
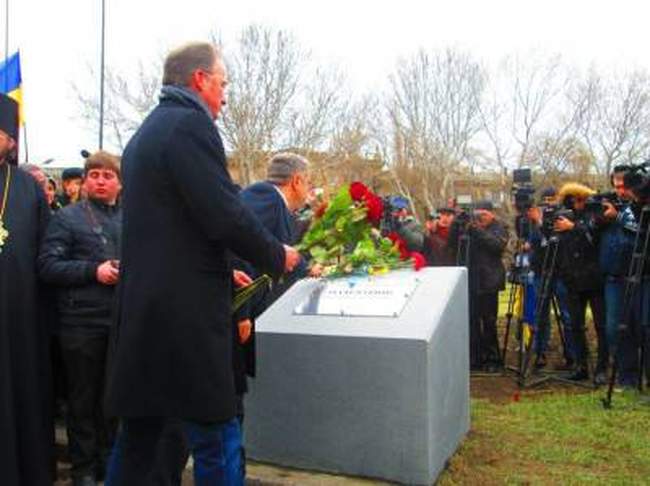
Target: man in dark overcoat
<point>25,419</point>
<point>181,218</point>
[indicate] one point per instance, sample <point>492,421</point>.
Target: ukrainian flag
<point>11,80</point>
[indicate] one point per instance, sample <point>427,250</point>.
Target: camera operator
<point>637,182</point>
<point>399,219</point>
<point>487,240</point>
<point>578,268</point>
<point>616,225</point>
<point>437,226</point>
<point>539,246</point>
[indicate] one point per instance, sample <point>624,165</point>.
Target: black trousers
<point>577,302</point>
<point>90,435</point>
<point>484,344</point>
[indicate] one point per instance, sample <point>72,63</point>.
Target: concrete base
<point>384,397</point>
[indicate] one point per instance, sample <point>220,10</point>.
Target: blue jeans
<point>543,327</point>
<point>216,448</point>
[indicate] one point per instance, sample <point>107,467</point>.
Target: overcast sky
<point>365,38</point>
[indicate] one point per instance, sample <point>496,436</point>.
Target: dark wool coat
<point>486,260</point>
<point>578,257</point>
<point>25,411</point>
<point>181,216</point>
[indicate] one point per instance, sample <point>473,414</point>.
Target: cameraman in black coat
<point>486,238</point>
<point>579,269</point>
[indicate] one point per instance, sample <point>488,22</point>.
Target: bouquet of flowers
<point>345,237</point>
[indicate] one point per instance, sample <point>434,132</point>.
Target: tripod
<point>517,293</point>
<point>545,302</point>
<point>633,284</point>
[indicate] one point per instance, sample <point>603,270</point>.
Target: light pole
<point>101,78</point>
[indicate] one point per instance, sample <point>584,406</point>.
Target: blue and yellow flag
<point>11,80</point>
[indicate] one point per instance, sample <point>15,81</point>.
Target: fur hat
<point>575,189</point>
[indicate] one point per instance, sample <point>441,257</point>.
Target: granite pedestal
<point>384,396</point>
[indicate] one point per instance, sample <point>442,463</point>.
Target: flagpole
<point>6,30</point>
<point>24,144</point>
<point>6,40</point>
<point>101,79</point>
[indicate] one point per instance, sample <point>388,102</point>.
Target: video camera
<point>390,222</point>
<point>550,214</point>
<point>637,180</point>
<point>465,214</point>
<point>522,189</point>
<point>594,205</point>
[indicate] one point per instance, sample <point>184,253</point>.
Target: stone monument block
<point>364,376</point>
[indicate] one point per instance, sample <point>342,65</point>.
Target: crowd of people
<point>116,288</point>
<point>152,370</point>
<point>582,244</point>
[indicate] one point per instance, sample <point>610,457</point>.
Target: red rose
<point>418,260</point>
<point>375,207</point>
<point>400,244</point>
<point>358,191</point>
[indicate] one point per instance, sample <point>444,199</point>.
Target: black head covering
<point>72,173</point>
<point>485,204</point>
<point>9,116</point>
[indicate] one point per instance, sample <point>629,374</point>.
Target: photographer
<point>637,182</point>
<point>578,269</point>
<point>616,227</point>
<point>437,236</point>
<point>486,238</point>
<point>397,218</point>
<point>541,249</point>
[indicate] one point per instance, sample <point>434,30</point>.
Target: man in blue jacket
<point>615,251</point>
<point>275,202</point>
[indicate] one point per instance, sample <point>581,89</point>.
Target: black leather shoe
<point>578,375</point>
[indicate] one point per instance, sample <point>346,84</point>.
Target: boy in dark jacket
<point>79,257</point>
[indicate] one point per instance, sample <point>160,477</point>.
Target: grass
<point>559,438</point>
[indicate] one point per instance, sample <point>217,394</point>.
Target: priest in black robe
<point>25,422</point>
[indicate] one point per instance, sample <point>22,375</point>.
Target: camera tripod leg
<point>509,315</point>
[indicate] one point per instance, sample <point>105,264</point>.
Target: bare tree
<point>434,112</point>
<point>128,100</point>
<point>617,128</point>
<point>535,86</point>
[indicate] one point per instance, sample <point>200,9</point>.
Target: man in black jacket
<point>487,238</point>
<point>182,218</point>
<point>79,257</point>
<point>579,270</point>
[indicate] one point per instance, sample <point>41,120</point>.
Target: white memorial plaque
<point>373,296</point>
